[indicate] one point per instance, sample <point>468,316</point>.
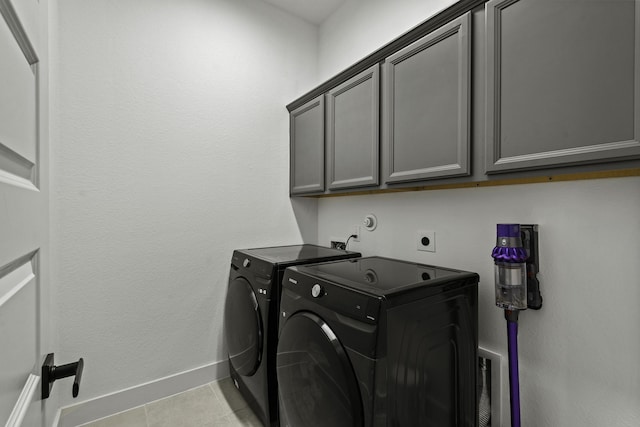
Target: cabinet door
<point>353,131</point>
<point>563,83</point>
<point>307,148</point>
<point>426,103</point>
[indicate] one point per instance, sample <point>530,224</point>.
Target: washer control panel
<point>258,267</point>
<point>339,298</point>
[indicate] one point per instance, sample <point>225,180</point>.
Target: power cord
<point>346,245</point>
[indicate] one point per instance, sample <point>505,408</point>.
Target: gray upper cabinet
<point>427,107</point>
<point>307,148</point>
<point>553,87</point>
<point>353,131</point>
<point>563,85</point>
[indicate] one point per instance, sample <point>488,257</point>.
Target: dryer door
<point>243,327</point>
<point>316,382</point>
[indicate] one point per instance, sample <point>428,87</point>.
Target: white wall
<point>579,355</point>
<point>169,149</point>
<point>360,27</point>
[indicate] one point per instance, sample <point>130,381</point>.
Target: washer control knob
<point>246,263</point>
<point>317,291</point>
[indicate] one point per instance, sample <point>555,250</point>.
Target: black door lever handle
<point>50,373</point>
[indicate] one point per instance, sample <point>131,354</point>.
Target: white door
<point>24,212</point>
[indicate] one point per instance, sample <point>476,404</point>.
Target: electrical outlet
<point>355,231</point>
<point>426,241</point>
<point>338,244</point>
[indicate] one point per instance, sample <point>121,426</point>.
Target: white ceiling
<point>314,11</point>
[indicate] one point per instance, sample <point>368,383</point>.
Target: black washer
<point>321,384</point>
<point>374,342</point>
<point>251,318</point>
<point>243,312</point>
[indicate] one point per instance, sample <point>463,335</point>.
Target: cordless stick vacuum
<point>511,294</point>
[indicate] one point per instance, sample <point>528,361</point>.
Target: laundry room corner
<point>306,213</point>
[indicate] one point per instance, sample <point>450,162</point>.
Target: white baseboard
<point>113,403</point>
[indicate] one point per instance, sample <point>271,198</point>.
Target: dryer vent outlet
<point>489,388</point>
<point>337,244</point>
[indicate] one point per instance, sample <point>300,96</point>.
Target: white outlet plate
<point>355,229</point>
<point>431,236</point>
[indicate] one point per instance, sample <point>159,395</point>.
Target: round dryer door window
<point>243,326</point>
<point>316,382</point>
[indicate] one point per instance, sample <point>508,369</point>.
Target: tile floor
<point>217,404</point>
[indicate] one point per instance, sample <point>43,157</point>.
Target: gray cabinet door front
<point>426,103</point>
<point>563,82</point>
<point>307,147</point>
<point>353,131</point>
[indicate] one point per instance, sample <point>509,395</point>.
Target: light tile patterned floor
<point>217,404</point>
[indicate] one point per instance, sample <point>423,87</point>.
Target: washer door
<point>243,327</point>
<point>316,382</point>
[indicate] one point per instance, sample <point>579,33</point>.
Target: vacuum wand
<point>514,376</point>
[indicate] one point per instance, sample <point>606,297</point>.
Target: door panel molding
<point>19,328</point>
<point>13,22</point>
<point>15,169</point>
<point>18,104</point>
<point>19,107</point>
<point>29,390</point>
<point>16,275</point>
